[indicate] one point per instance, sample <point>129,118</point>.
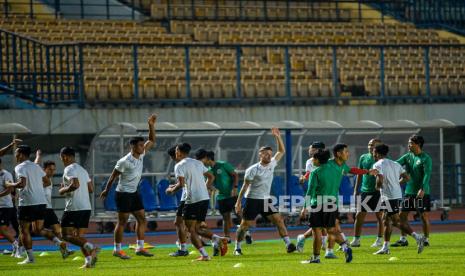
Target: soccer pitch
<point>446,256</point>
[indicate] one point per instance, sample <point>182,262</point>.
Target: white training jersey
<point>261,178</point>
<point>391,172</point>
<point>193,172</point>
<point>131,172</point>
<point>77,200</point>
<point>33,193</point>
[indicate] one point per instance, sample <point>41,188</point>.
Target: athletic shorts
<point>76,219</point>
<point>392,206</point>
<point>253,207</point>
<point>372,203</point>
<point>128,202</point>
<point>227,205</point>
<point>180,208</point>
<point>319,218</point>
<point>412,203</point>
<point>196,211</point>
<point>7,216</point>
<point>50,218</point>
<point>32,212</point>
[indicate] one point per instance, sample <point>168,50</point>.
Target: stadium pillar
<point>288,147</point>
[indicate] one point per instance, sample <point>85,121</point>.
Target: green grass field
<point>445,256</point>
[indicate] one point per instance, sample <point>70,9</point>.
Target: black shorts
<point>196,211</point>
<point>50,218</point>
<point>227,205</point>
<point>32,212</point>
<point>392,206</point>
<point>372,203</point>
<point>412,203</point>
<point>180,208</point>
<point>7,216</point>
<point>128,202</point>
<point>319,218</point>
<point>253,207</point>
<point>76,219</point>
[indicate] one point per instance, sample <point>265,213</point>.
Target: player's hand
<point>15,142</point>
<point>169,190</point>
<point>275,132</point>
<point>38,152</point>
<point>373,172</point>
<point>238,208</point>
<point>421,193</point>
<point>152,119</point>
<point>303,214</point>
<point>103,194</point>
<point>302,179</point>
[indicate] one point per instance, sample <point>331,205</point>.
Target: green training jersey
<point>419,168</point>
<point>223,179</point>
<point>366,162</point>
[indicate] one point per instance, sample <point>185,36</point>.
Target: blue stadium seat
<point>109,204</point>
<point>167,202</point>
<point>149,199</point>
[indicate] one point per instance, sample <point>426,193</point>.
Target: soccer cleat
<point>348,254</point>
<point>238,252</point>
<point>291,248</point>
<point>202,259</point>
<point>420,243</point>
<point>15,249</point>
<point>426,242</point>
<point>20,252</point>
<point>223,246</point>
<point>26,261</point>
<point>382,251</point>
<point>216,250</point>
<point>311,261</point>
<point>180,253</point>
<point>144,252</point>
<point>300,243</point>
<point>93,253</point>
<point>64,250</point>
<point>400,243</point>
<point>248,239</point>
<point>355,243</point>
<point>121,254</point>
<point>330,255</point>
<point>377,243</point>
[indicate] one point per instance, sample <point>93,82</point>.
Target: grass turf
<point>445,256</point>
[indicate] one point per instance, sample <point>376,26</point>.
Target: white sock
<point>247,233</point>
<point>426,239</point>
<point>88,246</point>
<point>324,239</point>
<point>286,240</point>
<point>343,236</point>
<point>329,250</point>
<point>117,247</point>
<point>183,247</point>
<point>203,252</point>
<point>378,239</point>
<point>386,245</point>
<point>403,238</point>
<point>57,241</point>
<point>140,245</point>
<point>30,254</point>
<point>316,257</point>
<point>238,245</point>
<point>88,260</point>
<point>356,239</point>
<point>344,246</point>
<point>215,239</point>
<point>15,243</point>
<point>415,235</point>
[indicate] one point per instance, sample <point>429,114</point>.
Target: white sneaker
<point>26,261</point>
<point>300,243</point>
<point>324,242</point>
<point>20,252</point>
<point>377,243</point>
<point>355,243</point>
<point>382,251</point>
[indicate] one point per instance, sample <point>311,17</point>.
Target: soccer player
<point>418,165</point>
<point>7,213</point>
<point>51,220</point>
<point>309,167</point>
<point>257,186</point>
<point>389,175</point>
<point>369,194</point>
<point>322,195</point>
<point>32,202</point>
<point>128,201</point>
<point>76,187</point>
<point>191,173</point>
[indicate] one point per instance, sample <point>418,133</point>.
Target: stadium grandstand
<point>221,80</point>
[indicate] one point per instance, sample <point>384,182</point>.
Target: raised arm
<point>279,142</point>
<point>4,150</point>
<point>151,141</point>
<point>38,157</point>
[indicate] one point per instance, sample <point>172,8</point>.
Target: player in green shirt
<point>418,165</point>
<point>369,194</point>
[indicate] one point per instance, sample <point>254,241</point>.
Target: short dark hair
<point>382,149</point>
<point>68,151</point>
<point>200,154</point>
<point>49,163</point>
<point>417,139</point>
<point>318,145</point>
<point>338,148</point>
<point>135,140</point>
<point>24,149</point>
<point>184,148</point>
<point>322,155</point>
<point>211,155</point>
<point>265,148</point>
<point>172,151</point>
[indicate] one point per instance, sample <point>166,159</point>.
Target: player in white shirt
<point>76,187</point>
<point>7,209</point>
<point>389,176</point>
<point>32,202</point>
<point>191,173</point>
<point>128,201</point>
<point>257,186</point>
